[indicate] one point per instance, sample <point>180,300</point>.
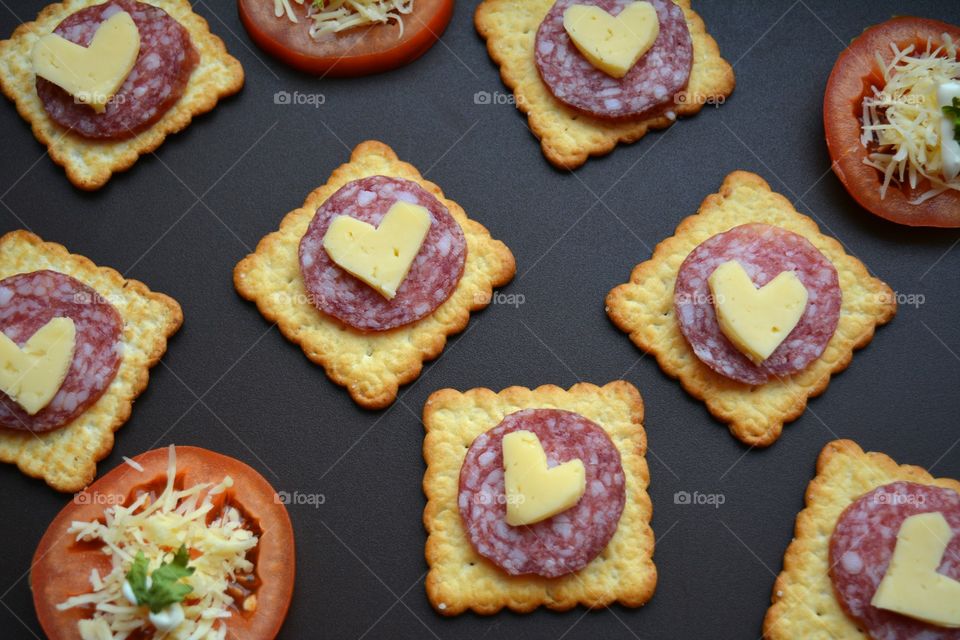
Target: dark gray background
<point>180,220</point>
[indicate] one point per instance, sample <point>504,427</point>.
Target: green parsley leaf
<point>165,586</point>
<point>953,112</point>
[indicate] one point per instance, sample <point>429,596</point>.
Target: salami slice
<point>648,89</point>
<point>764,251</point>
<point>568,541</point>
<point>433,276</point>
<point>157,81</point>
<point>862,545</point>
<point>30,300</point>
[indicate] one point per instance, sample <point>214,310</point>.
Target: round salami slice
<point>28,301</point>
<point>568,541</point>
<point>433,276</point>
<point>764,252</point>
<point>862,545</point>
<point>156,82</point>
<point>648,89</point>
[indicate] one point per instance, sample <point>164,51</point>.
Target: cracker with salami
<point>874,554</point>
<point>76,346</point>
<point>751,307</point>
<point>373,273</point>
<point>537,497</point>
<point>590,74</point>
<point>102,83</point>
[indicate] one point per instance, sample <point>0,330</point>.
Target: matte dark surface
<point>180,220</point>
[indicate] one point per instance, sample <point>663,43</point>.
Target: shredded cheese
<point>158,528</point>
<point>333,16</point>
<point>904,121</point>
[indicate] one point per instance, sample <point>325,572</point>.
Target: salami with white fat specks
<point>568,541</point>
<point>764,251</point>
<point>648,89</point>
<point>863,543</point>
<point>433,276</point>
<point>28,301</point>
<point>158,79</point>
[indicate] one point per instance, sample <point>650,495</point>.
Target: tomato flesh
<point>855,72</point>
<point>61,566</point>
<point>352,52</point>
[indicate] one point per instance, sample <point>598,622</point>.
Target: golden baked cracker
<point>460,578</point>
<point>644,308</point>
<point>66,458</point>
<point>568,137</point>
<point>91,163</point>
<point>372,365</point>
<point>803,601</point>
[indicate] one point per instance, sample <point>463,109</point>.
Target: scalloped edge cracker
<point>90,163</point>
<point>460,578</point>
<point>66,458</point>
<point>803,600</point>
<point>567,136</point>
<point>372,365</point>
<point>644,309</point>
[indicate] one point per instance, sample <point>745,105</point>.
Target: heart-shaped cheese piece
<point>912,586</point>
<point>380,256</point>
<point>94,74</point>
<point>756,320</point>
<point>535,491</point>
<point>612,44</point>
<point>32,375</point>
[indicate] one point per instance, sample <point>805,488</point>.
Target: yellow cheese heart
<point>535,491</point>
<point>32,375</point>
<point>94,74</point>
<point>612,44</point>
<point>756,320</point>
<point>912,585</point>
<point>380,256</point>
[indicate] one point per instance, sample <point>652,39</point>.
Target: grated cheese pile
<point>157,529</point>
<point>332,16</point>
<point>904,119</point>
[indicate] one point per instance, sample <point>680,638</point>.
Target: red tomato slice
<point>854,73</point>
<point>352,52</point>
<point>61,566</point>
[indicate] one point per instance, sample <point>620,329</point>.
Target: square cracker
<point>803,601</point>
<point>91,163</point>
<point>644,308</point>
<point>66,458</point>
<point>372,365</point>
<point>460,578</point>
<point>567,136</point>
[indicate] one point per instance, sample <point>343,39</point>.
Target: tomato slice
<point>61,565</point>
<point>854,73</point>
<point>352,52</point>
